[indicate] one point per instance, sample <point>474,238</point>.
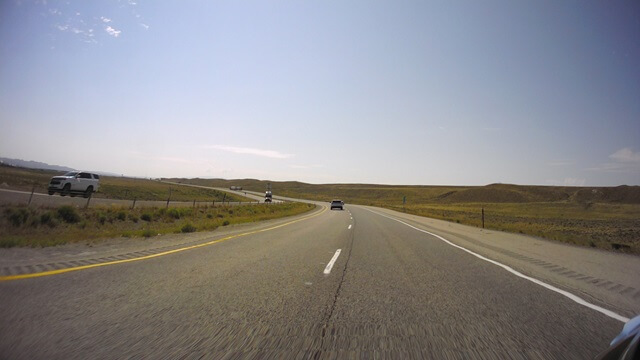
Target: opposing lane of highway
<point>392,291</point>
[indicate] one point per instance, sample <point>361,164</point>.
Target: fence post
<point>89,199</point>
<point>31,197</point>
<point>194,203</point>
<point>134,203</point>
<point>483,218</point>
<point>169,198</point>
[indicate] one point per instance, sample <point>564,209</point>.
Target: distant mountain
<point>33,164</point>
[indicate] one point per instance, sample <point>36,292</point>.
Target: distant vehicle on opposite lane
<point>337,204</point>
<point>74,183</point>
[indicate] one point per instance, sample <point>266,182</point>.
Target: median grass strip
<point>50,226</point>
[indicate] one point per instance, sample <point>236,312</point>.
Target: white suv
<point>74,183</point>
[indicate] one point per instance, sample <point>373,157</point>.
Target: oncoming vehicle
<point>337,204</point>
<point>268,197</point>
<point>74,183</point>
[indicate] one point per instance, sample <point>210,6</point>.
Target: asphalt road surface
<point>281,289</point>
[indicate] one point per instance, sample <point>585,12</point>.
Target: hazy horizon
<point>444,93</point>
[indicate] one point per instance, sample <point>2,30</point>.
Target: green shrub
<point>148,233</point>
<point>122,216</point>
<point>47,219</point>
<point>187,228</point>
<point>133,218</point>
<point>8,243</point>
<point>145,217</point>
<point>174,213</point>
<point>68,214</point>
<point>102,218</point>
<point>17,217</point>
<point>225,223</point>
<point>35,221</point>
<point>209,216</point>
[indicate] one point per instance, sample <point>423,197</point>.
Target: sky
<point>410,92</point>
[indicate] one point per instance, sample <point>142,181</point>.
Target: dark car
<point>337,204</point>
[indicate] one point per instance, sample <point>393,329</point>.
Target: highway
<point>362,283</point>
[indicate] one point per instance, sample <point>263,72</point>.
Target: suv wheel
<point>88,192</point>
<point>66,190</point>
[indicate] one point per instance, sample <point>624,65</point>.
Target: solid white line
<point>327,270</point>
<point>349,227</point>
<point>571,296</point>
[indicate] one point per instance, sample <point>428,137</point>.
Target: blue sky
<point>442,92</point>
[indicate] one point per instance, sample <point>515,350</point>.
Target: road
<point>278,290</point>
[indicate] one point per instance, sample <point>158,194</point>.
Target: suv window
<point>96,176</point>
<point>85,176</point>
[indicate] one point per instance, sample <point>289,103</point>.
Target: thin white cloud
<point>145,26</point>
<point>113,32</point>
<point>625,155</point>
<point>105,20</point>
<point>251,151</point>
<point>624,160</point>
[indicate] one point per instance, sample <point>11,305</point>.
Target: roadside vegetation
<point>46,226</point>
<point>115,187</point>
<point>604,226</point>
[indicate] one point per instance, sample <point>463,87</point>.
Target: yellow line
<point>84,267</point>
